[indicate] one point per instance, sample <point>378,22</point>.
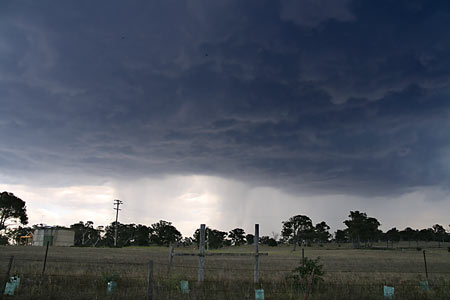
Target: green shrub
<point>272,242</point>
<point>303,272</point>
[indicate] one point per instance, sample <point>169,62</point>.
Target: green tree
<point>13,209</point>
<point>237,236</point>
<point>417,237</point>
<point>356,226</point>
<point>341,236</point>
<point>426,234</point>
<point>214,238</point>
<point>267,240</point>
<point>108,238</point>
<point>250,238</point>
<point>407,234</point>
<point>142,235</point>
<point>439,233</point>
<point>371,231</point>
<point>321,233</point>
<point>125,234</point>
<point>272,242</point>
<point>164,233</point>
<point>297,229</point>
<point>362,228</point>
<point>187,241</point>
<point>85,234</point>
<point>392,235</point>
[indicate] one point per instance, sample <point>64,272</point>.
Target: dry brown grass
<point>81,273</point>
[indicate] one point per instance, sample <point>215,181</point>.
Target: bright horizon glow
<point>220,203</point>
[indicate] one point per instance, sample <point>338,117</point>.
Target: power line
<point>117,203</point>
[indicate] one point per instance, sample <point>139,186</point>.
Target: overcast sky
<point>227,113</point>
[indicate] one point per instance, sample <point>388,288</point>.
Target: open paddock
<point>82,273</point>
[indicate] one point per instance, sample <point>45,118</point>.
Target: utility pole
<point>117,203</point>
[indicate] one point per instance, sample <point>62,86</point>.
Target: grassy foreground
<point>82,273</point>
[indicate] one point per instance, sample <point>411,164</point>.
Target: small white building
<point>55,237</point>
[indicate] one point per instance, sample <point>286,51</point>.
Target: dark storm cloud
<point>337,96</point>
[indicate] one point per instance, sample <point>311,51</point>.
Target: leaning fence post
<point>256,274</point>
<point>11,259</point>
<point>425,261</point>
<point>201,265</point>
<point>45,258</point>
<point>150,280</point>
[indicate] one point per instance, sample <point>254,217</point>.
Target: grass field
<point>82,273</point>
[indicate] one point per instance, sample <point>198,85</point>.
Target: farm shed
<point>56,237</point>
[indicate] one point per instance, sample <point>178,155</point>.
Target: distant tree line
<point>361,231</point>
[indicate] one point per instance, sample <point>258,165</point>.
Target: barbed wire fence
<point>227,274</point>
<point>136,282</point>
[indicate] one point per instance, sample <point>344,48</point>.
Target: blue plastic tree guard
<point>12,285</point>
<point>389,292</point>
<point>259,294</point>
<point>184,286</point>
<point>112,286</point>
<point>424,285</point>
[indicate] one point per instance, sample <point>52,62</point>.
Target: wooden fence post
<point>169,268</point>
<point>45,258</point>
<point>11,259</point>
<point>150,280</point>
<point>303,256</point>
<point>425,261</point>
<point>256,241</point>
<point>201,265</point>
